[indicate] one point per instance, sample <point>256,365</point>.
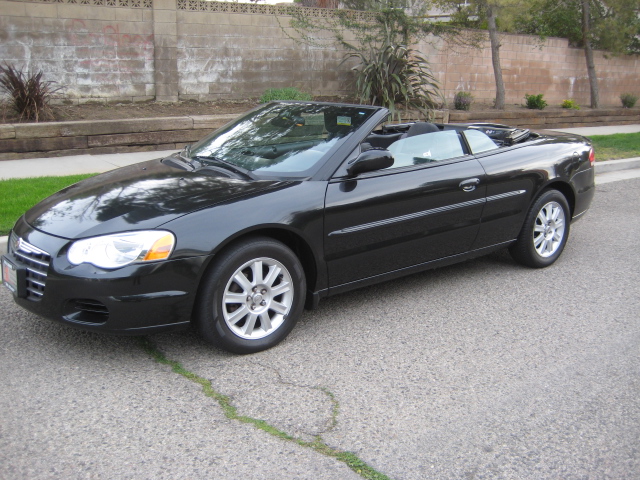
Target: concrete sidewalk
<point>74,164</point>
<point>589,131</point>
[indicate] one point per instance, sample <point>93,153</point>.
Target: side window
<point>426,148</point>
<point>479,141</point>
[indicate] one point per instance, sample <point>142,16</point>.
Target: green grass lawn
<point>20,194</point>
<point>619,145</point>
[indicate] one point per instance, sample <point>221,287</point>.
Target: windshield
<point>281,139</point>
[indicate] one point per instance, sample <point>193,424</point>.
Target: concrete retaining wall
<point>136,50</point>
<point>35,140</point>
<point>541,119</point>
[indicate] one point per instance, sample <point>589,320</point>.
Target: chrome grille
<point>37,262</point>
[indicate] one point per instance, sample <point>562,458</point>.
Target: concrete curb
<point>601,167</point>
<point>615,165</point>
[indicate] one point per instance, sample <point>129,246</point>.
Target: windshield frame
<point>314,148</point>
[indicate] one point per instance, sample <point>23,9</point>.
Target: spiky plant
<point>29,94</point>
<point>395,75</point>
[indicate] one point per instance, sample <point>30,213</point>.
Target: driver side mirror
<point>370,161</point>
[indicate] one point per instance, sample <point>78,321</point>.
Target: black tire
<point>545,231</point>
<point>252,297</point>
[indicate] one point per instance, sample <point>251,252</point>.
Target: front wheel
<point>252,297</point>
<point>545,231</point>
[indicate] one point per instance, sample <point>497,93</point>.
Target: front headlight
<point>118,250</point>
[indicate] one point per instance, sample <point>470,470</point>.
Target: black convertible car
<point>289,204</point>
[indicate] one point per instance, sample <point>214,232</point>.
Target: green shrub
<point>391,74</point>
<point>288,93</point>
<point>462,101</point>
<point>628,100</point>
<point>29,94</point>
<point>570,104</point>
<point>535,102</point>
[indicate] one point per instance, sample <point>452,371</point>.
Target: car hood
<point>138,197</point>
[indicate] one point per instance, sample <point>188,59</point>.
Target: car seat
<point>420,128</point>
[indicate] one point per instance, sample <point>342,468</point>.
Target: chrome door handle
<point>470,184</point>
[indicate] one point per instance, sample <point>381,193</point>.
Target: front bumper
<point>132,300</point>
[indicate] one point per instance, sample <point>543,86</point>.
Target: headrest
<point>420,128</point>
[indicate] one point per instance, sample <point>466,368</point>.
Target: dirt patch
<point>120,111</point>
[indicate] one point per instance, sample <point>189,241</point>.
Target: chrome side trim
<point>505,195</point>
<point>424,213</point>
<point>411,216</point>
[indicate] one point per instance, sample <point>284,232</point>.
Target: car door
<point>511,184</point>
<point>407,215</point>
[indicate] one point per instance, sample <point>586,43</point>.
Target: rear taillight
<point>592,156</point>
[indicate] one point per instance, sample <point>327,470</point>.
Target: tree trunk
<point>588,53</point>
<point>495,57</point>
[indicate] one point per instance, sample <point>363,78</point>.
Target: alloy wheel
<point>258,297</point>
<point>548,230</point>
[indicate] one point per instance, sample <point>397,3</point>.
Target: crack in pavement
<point>350,459</point>
<point>335,406</point>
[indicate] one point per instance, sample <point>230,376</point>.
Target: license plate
<point>10,275</point>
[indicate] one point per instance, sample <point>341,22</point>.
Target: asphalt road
<point>481,370</point>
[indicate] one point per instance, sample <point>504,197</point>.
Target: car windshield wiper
<point>180,161</point>
<point>186,159</point>
<point>226,165</point>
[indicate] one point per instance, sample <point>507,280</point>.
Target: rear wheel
<point>252,297</point>
<point>545,231</point>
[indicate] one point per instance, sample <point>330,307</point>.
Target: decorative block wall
<point>137,50</point>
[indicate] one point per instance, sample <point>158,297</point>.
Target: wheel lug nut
<point>255,289</point>
<point>263,303</point>
<point>263,291</point>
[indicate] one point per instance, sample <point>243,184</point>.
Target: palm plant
<point>394,75</point>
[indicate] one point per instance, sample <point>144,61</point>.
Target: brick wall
<point>136,50</point>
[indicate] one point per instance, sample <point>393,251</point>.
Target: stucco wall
<point>122,50</point>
